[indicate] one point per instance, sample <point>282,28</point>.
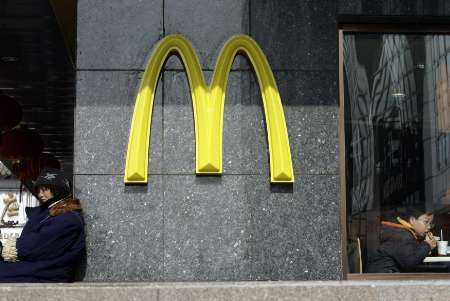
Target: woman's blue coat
<point>50,247</point>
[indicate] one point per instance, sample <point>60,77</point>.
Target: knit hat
<point>53,178</point>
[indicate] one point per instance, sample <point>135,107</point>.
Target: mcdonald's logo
<point>208,107</point>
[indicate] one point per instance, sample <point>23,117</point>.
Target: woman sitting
<point>52,242</point>
<point>404,243</point>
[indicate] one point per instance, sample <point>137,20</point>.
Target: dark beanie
<point>53,178</point>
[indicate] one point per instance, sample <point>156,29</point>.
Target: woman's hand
<point>431,241</point>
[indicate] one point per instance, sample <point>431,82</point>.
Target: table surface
<point>437,259</point>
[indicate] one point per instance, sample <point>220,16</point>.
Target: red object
<point>20,143</point>
<point>10,112</point>
<point>29,169</point>
<point>25,170</point>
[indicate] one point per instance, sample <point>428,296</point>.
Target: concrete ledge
<point>285,291</point>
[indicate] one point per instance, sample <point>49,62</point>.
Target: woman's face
<point>422,224</point>
<point>44,194</point>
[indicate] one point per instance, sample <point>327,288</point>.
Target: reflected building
<point>397,128</point>
<point>436,120</point>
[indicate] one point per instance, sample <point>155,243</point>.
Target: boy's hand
<point>431,241</point>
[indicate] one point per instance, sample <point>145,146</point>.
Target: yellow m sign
<point>208,107</point>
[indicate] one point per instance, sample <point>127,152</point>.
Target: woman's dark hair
<point>50,187</point>
<point>55,180</point>
<point>404,213</point>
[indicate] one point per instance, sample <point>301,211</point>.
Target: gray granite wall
<point>181,227</point>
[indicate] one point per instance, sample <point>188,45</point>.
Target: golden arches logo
<point>208,107</point>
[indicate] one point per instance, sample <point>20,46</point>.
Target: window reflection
<point>397,128</point>
<point>14,198</point>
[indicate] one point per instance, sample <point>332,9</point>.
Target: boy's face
<point>44,194</point>
<point>422,224</point>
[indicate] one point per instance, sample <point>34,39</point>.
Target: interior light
<point>420,66</point>
<point>9,59</point>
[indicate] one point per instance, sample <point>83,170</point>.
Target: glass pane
<point>397,131</point>
<point>14,198</point>
<point>37,97</point>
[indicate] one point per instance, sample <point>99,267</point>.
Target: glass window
<point>397,148</point>
<point>37,97</point>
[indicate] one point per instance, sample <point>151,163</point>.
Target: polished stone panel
<point>205,224</point>
<point>299,35</point>
<point>124,226</point>
<point>314,139</point>
<point>310,106</point>
<point>363,7</point>
<point>178,125</point>
<point>374,7</point>
<point>406,7</point>
<point>253,146</point>
<point>347,7</point>
<point>117,34</point>
<point>208,25</point>
<point>105,104</point>
<point>294,230</point>
<point>211,228</point>
<point>312,88</point>
<point>243,228</point>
